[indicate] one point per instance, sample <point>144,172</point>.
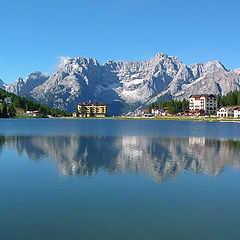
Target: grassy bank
<point>168,118</point>
<point>179,118</point>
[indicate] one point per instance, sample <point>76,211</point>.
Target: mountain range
<point>126,86</point>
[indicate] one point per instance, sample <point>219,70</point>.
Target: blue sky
<point>33,34</point>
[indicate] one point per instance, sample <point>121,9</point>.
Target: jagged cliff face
<point>125,86</point>
<point>2,84</point>
<point>160,158</point>
<point>24,87</point>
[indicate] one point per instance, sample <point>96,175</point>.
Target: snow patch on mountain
<point>125,86</point>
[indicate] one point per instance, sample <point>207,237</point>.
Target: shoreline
<point>174,118</point>
<point>169,118</point>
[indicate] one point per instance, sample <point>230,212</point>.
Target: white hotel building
<point>207,103</point>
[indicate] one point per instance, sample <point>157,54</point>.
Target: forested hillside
<point>19,104</point>
<point>172,106</point>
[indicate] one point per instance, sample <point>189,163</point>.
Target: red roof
<point>203,95</point>
<point>208,95</point>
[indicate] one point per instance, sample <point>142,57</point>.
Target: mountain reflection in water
<point>161,158</point>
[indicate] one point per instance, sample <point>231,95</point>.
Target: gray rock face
<point>24,87</point>
<point>125,86</point>
<point>2,84</point>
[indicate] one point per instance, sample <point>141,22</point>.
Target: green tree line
<point>231,99</point>
<point>17,102</point>
<point>173,106</point>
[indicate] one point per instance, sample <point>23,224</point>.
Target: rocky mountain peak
<point>35,77</point>
<point>77,64</point>
<point>124,85</point>
<point>237,71</point>
<point>161,55</point>
<point>213,66</point>
<point>2,84</point>
<point>20,80</point>
<point>24,87</point>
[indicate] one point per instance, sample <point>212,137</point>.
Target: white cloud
<point>45,74</point>
<point>61,60</point>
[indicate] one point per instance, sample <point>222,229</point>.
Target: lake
<point>119,179</point>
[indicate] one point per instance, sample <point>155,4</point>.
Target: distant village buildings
<point>8,100</point>
<point>231,112</point>
<point>203,104</point>
<point>146,113</point>
<point>86,110</point>
<point>208,104</point>
<point>237,112</point>
<point>34,114</point>
<point>225,112</point>
<point>157,111</point>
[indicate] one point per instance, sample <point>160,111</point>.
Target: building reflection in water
<point>160,158</point>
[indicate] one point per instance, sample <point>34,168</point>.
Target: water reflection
<point>161,158</point>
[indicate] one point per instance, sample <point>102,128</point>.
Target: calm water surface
<point>119,179</point>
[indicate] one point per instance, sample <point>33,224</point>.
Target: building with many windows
<point>225,112</point>
<point>157,111</point>
<point>205,104</point>
<point>237,112</point>
<point>92,110</point>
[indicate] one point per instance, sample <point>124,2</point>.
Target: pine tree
<point>11,110</point>
<point>4,110</point>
